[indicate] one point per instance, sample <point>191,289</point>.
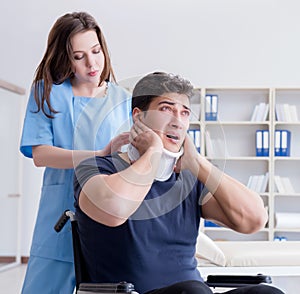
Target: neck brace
<point>167,161</point>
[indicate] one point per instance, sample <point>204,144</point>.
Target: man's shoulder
<point>112,161</point>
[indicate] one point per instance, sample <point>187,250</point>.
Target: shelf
<point>239,158</point>
<point>229,143</point>
<point>286,194</point>
<point>239,123</point>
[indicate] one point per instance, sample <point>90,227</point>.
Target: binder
<point>197,139</point>
<point>259,143</point>
<point>262,143</point>
<point>210,224</point>
<point>265,143</point>
<point>282,144</point>
<point>277,151</point>
<point>285,143</point>
<point>211,107</point>
<point>195,135</point>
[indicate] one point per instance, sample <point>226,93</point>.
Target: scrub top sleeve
<point>37,128</point>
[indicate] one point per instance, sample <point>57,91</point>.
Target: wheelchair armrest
<point>230,281</point>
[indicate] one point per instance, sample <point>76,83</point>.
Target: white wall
<point>211,42</point>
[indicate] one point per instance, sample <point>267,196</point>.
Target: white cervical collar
<point>167,161</point>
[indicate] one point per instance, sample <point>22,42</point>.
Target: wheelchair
<point>85,287</point>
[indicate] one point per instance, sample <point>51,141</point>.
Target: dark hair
<point>156,84</point>
<point>55,66</point>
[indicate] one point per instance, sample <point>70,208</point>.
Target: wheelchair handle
<point>67,214</point>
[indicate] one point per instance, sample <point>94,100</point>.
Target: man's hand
<point>187,160</point>
<point>143,138</point>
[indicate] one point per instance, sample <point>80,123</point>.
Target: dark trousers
<point>197,287</point>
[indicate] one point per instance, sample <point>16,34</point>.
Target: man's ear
<point>136,112</point>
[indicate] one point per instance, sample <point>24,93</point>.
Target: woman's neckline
<point>103,90</point>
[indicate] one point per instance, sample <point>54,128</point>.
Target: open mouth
<point>173,137</point>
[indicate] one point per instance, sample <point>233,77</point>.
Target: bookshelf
<point>230,143</point>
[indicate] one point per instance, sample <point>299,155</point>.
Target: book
<point>208,145</point>
<point>254,181</point>
<point>254,113</point>
<point>279,112</point>
<point>249,184</point>
<point>195,112</point>
<point>279,185</point>
<point>294,114</point>
<point>286,113</point>
<point>215,147</point>
<point>264,184</point>
<point>259,182</point>
<point>288,187</point>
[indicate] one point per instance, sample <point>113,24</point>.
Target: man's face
<point>168,115</point>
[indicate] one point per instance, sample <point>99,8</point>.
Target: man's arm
<point>228,202</point>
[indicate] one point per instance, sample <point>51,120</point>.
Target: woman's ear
<point>136,112</point>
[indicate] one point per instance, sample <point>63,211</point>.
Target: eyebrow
<point>80,51</point>
<point>173,103</point>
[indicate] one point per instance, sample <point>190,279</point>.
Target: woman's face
<point>88,57</point>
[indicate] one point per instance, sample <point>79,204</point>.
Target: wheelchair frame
<point>85,287</point>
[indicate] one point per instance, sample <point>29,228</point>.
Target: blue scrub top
<point>82,123</point>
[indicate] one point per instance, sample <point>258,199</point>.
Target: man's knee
<point>261,289</point>
<point>191,287</point>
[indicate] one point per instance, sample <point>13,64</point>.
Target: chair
<point>83,286</point>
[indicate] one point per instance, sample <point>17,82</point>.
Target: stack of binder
<point>208,223</point>
<point>195,135</point>
<point>283,185</point>
<point>258,183</point>
<point>215,147</point>
<point>260,112</point>
<point>286,112</point>
<point>262,143</point>
<point>282,143</point>
<point>211,107</point>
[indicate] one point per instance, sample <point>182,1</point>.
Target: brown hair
<point>156,84</point>
<point>55,66</point>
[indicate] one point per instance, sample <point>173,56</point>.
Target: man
<point>139,212</point>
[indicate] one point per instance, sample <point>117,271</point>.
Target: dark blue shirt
<point>155,247</point>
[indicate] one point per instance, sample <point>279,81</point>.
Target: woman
<point>75,107</point>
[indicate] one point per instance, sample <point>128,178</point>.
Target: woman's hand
<point>115,144</point>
